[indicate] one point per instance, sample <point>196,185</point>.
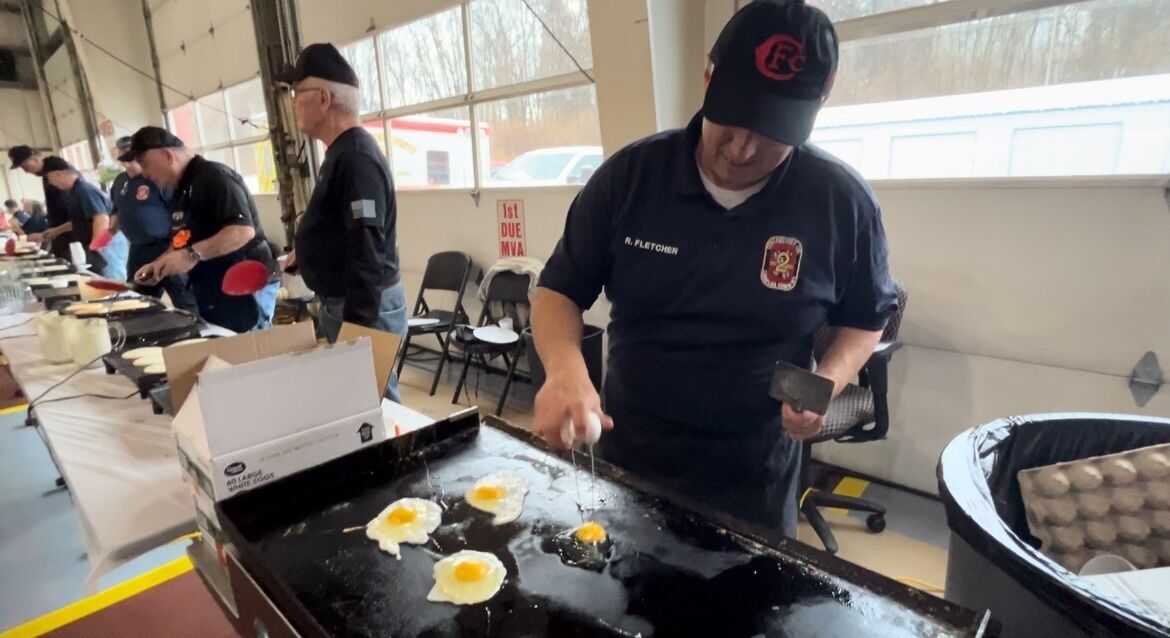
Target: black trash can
<point>994,562</point>
<point>591,347</point>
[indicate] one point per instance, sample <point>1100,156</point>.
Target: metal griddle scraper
<point>800,389</point>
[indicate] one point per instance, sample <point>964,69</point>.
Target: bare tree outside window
<point>839,10</point>
<point>360,56</point>
<point>1078,89</point>
<point>424,61</point>
<point>1098,40</point>
<point>509,45</point>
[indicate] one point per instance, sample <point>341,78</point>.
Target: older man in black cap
<point>346,243</point>
<point>723,248</point>
<point>214,225</point>
<point>142,214</point>
<point>89,211</point>
<point>30,161</point>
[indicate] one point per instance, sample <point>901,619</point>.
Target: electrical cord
<point>36,401</point>
<point>119,343</point>
<point>91,396</point>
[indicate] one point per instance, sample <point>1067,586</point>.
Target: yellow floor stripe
<point>13,409</point>
<point>849,486</point>
<point>101,600</point>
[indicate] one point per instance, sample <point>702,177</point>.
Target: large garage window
<point>1081,88</point>
<point>229,127</point>
<point>456,97</point>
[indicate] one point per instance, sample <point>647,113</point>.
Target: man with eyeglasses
<point>346,243</point>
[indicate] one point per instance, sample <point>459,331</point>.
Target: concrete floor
<point>42,555</point>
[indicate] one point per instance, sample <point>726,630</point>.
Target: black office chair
<point>449,271</point>
<point>860,413</point>
<point>507,296</point>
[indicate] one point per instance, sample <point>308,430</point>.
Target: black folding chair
<point>507,296</point>
<point>449,271</point>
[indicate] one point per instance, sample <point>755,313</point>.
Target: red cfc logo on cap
<point>780,57</point>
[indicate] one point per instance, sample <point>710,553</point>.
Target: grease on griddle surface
<point>587,546</point>
<point>666,574</point>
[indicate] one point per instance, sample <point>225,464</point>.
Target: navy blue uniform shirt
<point>143,214</point>
<point>705,301</point>
<point>86,201</point>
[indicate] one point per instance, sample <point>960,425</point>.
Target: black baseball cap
<point>321,60</point>
<point>18,155</point>
<point>148,138</point>
<point>123,143</point>
<point>774,65</point>
<point>54,163</point>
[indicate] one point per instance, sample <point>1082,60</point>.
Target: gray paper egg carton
<point>1116,504</point>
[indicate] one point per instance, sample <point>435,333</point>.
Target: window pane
<point>221,155</point>
<point>432,150</point>
<point>257,167</point>
<point>838,10</point>
<point>510,46</point>
<point>212,119</point>
<point>360,56</point>
<point>544,139</point>
<point>424,61</point>
<point>995,97</point>
<point>246,102</point>
<point>183,124</point>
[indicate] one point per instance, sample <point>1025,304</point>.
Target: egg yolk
<point>591,533</point>
<point>470,571</point>
<point>489,492</point>
<point>401,516</point>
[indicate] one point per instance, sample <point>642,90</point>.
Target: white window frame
<point>234,143</point>
<point>468,100</point>
<point>951,12</point>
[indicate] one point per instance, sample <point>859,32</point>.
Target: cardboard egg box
<point>1116,504</point>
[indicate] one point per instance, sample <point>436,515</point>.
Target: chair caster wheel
<point>876,523</point>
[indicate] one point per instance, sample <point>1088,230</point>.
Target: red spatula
<point>246,278</point>
<point>107,285</point>
<point>10,247</point>
<point>101,241</point>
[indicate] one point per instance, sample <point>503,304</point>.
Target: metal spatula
<point>800,389</point>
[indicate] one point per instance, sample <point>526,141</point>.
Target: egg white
<point>390,535</point>
<point>450,589</point>
<point>508,506</point>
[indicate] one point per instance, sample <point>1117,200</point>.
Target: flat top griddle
<point>138,375</point>
<point>156,326</point>
<point>673,571</point>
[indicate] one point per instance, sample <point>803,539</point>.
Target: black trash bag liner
<point>977,476</point>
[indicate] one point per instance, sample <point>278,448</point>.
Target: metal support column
<point>148,16</point>
<point>36,48</point>
<point>84,96</point>
<point>277,43</point>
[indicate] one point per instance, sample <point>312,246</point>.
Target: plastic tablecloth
<point>117,457</point>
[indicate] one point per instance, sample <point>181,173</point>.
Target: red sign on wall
<point>511,227</point>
